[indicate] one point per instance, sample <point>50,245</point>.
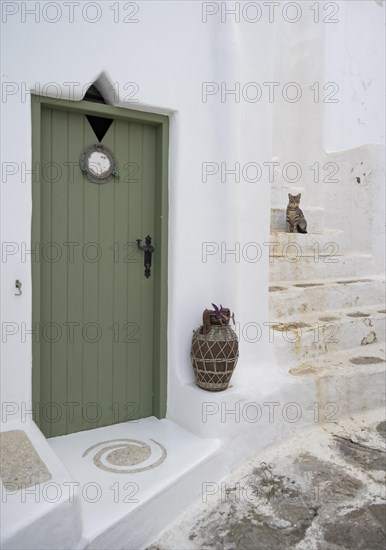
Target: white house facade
<point>225,107</point>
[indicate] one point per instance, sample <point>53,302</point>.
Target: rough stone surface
<point>366,360</point>
<point>276,288</point>
<point>354,281</point>
<point>328,318</point>
<point>358,314</point>
<point>381,429</point>
<point>20,466</point>
<point>321,490</point>
<point>365,457</point>
<point>129,455</point>
<point>283,327</point>
<point>303,370</point>
<point>359,529</point>
<point>369,339</point>
<point>308,285</point>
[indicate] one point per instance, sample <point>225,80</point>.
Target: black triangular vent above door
<point>93,94</point>
<point>100,125</point>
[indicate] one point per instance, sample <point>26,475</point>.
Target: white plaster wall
<point>354,128</point>
<point>355,59</point>
<point>345,128</point>
<point>168,53</point>
<point>298,126</point>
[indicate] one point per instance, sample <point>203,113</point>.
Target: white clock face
<point>98,164</point>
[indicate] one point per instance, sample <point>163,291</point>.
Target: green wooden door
<point>95,350</point>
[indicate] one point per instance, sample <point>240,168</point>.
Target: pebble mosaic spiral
<point>127,456</point>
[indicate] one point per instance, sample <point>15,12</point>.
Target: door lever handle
<point>148,249</point>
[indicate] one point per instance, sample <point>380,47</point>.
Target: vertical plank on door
<point>56,255</point>
<point>131,333</point>
<point>90,328</point>
<point>45,273</point>
<point>75,274</point>
<point>147,285</point>
<point>106,291</point>
<point>120,277</point>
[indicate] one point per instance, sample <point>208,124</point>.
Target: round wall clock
<point>98,164</point>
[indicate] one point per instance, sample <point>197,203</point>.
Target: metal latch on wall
<point>18,286</point>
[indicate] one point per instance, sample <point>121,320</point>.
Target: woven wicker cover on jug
<point>214,357</point>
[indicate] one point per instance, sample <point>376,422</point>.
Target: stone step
<point>345,382</point>
<point>328,244</point>
<point>88,489</point>
<point>292,299</point>
<point>36,510</point>
<point>312,335</point>
<point>145,491</point>
<point>313,215</point>
<point>307,268</point>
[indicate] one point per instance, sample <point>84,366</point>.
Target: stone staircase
<point>327,313</point>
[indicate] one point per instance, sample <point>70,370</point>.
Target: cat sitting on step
<point>296,222</point>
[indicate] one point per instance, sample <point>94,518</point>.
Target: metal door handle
<point>148,249</point>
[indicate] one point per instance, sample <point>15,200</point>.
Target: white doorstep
<point>132,470</point>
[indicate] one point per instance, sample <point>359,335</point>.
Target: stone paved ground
<point>324,489</point>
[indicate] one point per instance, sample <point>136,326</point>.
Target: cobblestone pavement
<point>323,489</point>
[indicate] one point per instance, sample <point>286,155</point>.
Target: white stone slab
<point>307,268</point>
<point>342,387</point>
<point>115,504</point>
<point>313,215</point>
<point>329,243</point>
<point>310,336</point>
<point>287,300</point>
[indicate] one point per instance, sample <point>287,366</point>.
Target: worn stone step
<point>291,299</point>
<point>306,268</point>
<point>328,244</point>
<point>348,361</point>
<point>312,335</point>
<point>313,215</point>
<point>347,381</point>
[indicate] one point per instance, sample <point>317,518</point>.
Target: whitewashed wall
<point>336,132</point>
<point>355,58</point>
<point>169,53</point>
<point>354,129</point>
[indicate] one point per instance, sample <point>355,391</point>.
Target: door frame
<point>160,259</point>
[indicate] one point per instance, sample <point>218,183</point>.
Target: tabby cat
<point>296,222</point>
